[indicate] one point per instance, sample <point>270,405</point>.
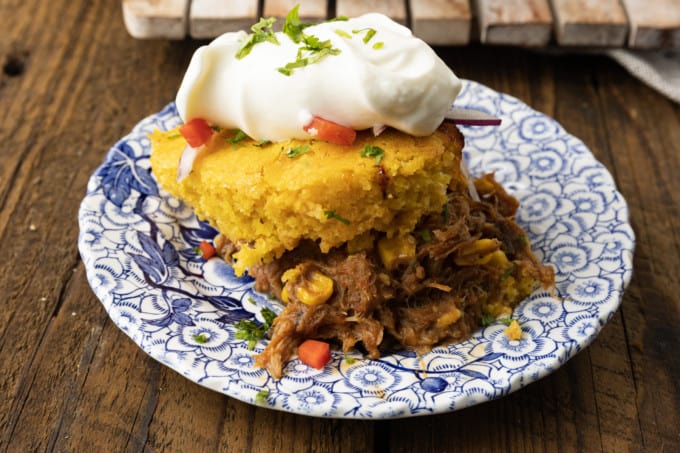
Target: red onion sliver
<point>469,117</point>
<point>186,161</point>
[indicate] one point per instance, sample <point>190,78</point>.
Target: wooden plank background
<point>534,23</point>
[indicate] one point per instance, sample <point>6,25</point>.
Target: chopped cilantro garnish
<point>505,321</point>
<point>378,45</point>
<point>262,397</point>
<point>334,215</point>
<point>262,143</point>
<point>269,315</point>
<point>239,136</point>
<point>262,31</point>
<point>508,272</point>
<point>215,128</point>
<point>349,359</point>
<point>338,19</point>
<point>522,239</point>
<point>446,215</point>
<point>252,301</point>
<point>342,33</point>
<point>487,319</point>
<point>297,151</point>
<point>370,33</point>
<point>201,338</point>
<point>293,27</point>
<point>313,50</point>
<point>373,151</point>
<point>252,331</point>
<point>426,235</point>
<point>173,135</point>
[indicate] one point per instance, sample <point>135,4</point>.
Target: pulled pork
<point>470,260</point>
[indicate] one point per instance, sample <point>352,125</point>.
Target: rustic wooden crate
<point>537,23</point>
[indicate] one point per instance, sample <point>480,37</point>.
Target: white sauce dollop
<point>402,84</point>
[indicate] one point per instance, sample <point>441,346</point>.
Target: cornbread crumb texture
<point>265,201</point>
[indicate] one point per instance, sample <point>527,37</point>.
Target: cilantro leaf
<point>262,31</point>
<point>252,331</point>
<point>297,151</point>
<point>331,214</point>
<point>373,151</point>
<point>293,27</point>
<point>200,338</point>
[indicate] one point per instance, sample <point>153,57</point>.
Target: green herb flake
<point>379,45</point>
<point>334,215</point>
<point>338,19</point>
<point>293,27</point>
<point>487,319</point>
<point>342,33</point>
<point>426,235</point>
<point>508,272</point>
<point>252,331</point>
<point>373,151</point>
<point>263,143</point>
<point>505,321</point>
<point>446,215</point>
<point>252,301</point>
<point>238,137</point>
<point>201,338</point>
<point>215,128</point>
<point>312,50</point>
<point>349,359</point>
<point>370,33</point>
<point>262,31</point>
<point>262,397</point>
<point>522,240</point>
<point>297,151</point>
<point>173,135</point>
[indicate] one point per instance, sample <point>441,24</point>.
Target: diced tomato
<point>207,250</point>
<point>329,131</point>
<point>315,353</point>
<point>196,132</point>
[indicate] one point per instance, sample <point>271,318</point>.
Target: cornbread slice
<point>268,197</point>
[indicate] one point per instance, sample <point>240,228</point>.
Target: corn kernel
<point>449,318</point>
<point>309,286</point>
<point>514,331</point>
<point>477,253</point>
<point>397,250</point>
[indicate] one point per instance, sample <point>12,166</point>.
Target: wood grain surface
<point>73,83</point>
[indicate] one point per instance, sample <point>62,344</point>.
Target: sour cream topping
<point>390,78</point>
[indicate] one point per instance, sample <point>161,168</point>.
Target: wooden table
<point>73,81</point>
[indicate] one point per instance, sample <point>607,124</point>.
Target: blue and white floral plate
<point>137,244</point>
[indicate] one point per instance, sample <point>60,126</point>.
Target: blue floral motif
<point>137,245</point>
<point>122,174</point>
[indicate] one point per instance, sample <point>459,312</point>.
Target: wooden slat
<point>156,18</point>
<point>514,22</point>
<point>211,18</point>
<point>441,22</point>
<point>590,22</point>
<point>653,23</point>
<point>310,10</point>
<point>395,9</point>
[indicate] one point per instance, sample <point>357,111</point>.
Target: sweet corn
<point>514,331</point>
<point>397,250</point>
<point>309,286</point>
<point>479,252</point>
<point>449,318</point>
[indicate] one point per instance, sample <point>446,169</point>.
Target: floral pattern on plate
<point>138,243</point>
